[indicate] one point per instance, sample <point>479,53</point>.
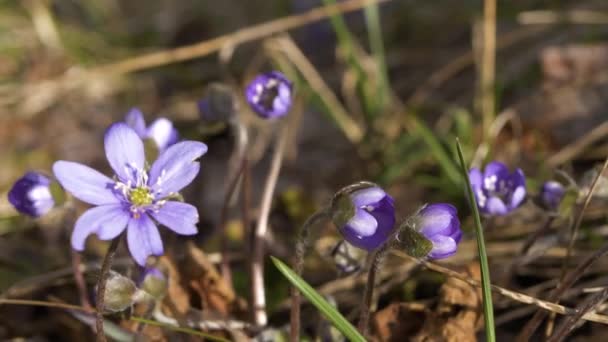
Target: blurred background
<point>382,91</point>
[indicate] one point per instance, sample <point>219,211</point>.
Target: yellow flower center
<point>140,197</point>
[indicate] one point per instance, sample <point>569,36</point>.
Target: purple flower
<point>551,194</point>
<point>31,194</point>
<point>439,223</point>
<point>269,95</point>
<point>161,131</point>
<point>365,216</point>
<point>136,198</point>
<point>498,191</point>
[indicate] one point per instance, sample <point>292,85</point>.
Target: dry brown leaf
<point>458,312</point>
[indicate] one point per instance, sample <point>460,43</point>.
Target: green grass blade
<point>188,331</point>
<point>372,18</point>
<point>483,257</point>
<point>436,148</point>
<point>315,298</point>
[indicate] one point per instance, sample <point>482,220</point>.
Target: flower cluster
<point>365,216</point>
<point>498,191</point>
<point>137,197</point>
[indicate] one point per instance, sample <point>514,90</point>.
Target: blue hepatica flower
<point>136,198</point>
<point>369,219</point>
<point>270,95</point>
<point>440,225</point>
<point>31,194</point>
<point>161,130</point>
<point>551,195</point>
<point>498,191</point>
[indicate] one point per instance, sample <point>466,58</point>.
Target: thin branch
<point>257,260</point>
<point>79,279</point>
<point>488,65</point>
<point>517,296</point>
<point>555,296</point>
<point>248,34</point>
<point>45,304</point>
<point>589,304</point>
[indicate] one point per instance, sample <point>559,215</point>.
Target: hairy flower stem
<point>368,295</point>
<point>101,287</point>
<point>257,261</point>
<point>298,266</point>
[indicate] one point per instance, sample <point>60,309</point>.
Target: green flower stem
<point>298,266</point>
<point>101,287</point>
<point>488,310</point>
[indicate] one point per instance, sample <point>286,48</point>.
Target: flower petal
<point>125,152</point>
<point>443,247</point>
<point>176,167</point>
<point>163,133</point>
<point>143,239</point>
<point>179,217</point>
<point>436,218</point>
<point>476,178</point>
<point>367,196</point>
<point>362,223</point>
<point>107,221</point>
<point>135,120</point>
<point>497,169</point>
<point>85,183</point>
<point>517,197</point>
<point>495,206</point>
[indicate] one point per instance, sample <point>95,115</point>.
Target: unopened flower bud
<point>31,194</point>
<point>551,195</point>
<point>219,104</point>
<point>154,282</point>
<point>120,293</point>
<point>347,258</point>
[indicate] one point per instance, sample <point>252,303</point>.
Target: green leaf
<point>483,257</point>
<point>315,298</point>
<point>436,149</point>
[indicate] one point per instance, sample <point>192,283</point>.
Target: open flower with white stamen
<point>498,191</point>
<point>136,198</point>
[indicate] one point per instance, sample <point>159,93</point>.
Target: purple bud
<point>439,224</point>
<point>269,95</point>
<point>219,104</point>
<point>31,194</point>
<point>364,214</point>
<point>551,195</point>
<point>498,191</point>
